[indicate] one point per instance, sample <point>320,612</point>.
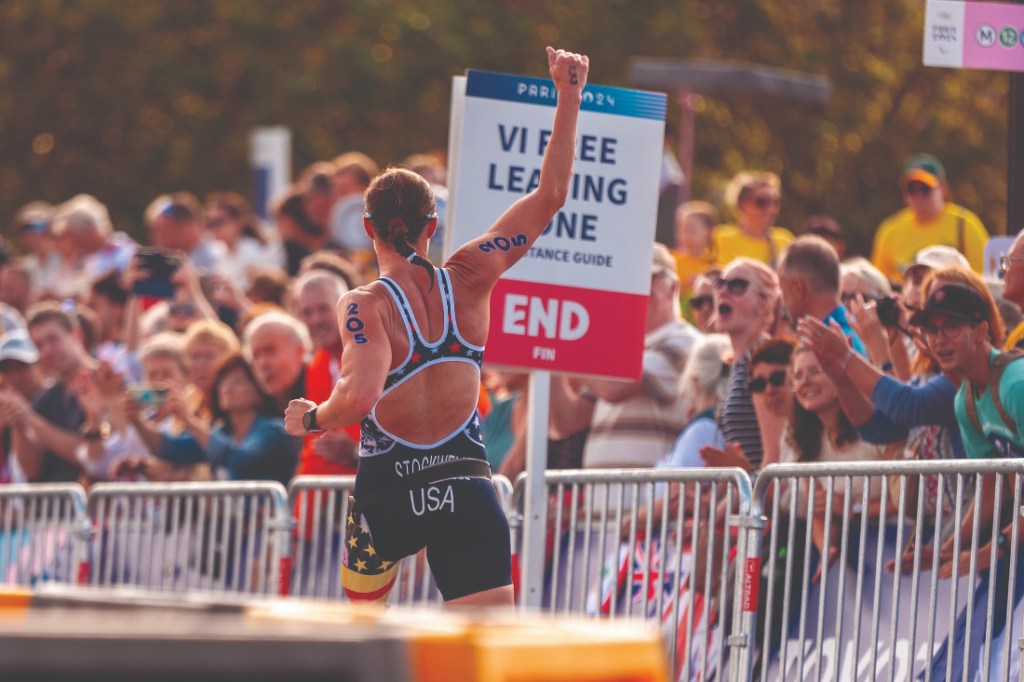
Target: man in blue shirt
<point>955,323</point>
<point>809,280</point>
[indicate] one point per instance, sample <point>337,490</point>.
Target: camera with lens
<point>888,309</point>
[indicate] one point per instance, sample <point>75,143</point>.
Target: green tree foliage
<point>126,100</point>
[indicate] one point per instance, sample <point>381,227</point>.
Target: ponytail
<point>397,234</point>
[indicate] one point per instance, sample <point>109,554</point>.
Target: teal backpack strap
<point>999,365</point>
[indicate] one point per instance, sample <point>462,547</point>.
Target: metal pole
<point>687,124</point>
<point>1015,157</point>
<point>535,506</point>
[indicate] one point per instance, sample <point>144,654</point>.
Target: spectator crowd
<point>174,359</point>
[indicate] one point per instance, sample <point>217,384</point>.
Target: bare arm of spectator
<point>950,554</point>
<point>39,435</point>
<point>198,427</point>
<point>28,451</point>
<point>227,293</point>
<point>515,461</point>
<point>863,318</point>
<point>187,280</point>
<point>613,391</point>
<point>571,407</point>
<point>147,430</point>
<point>133,309</point>
<point>89,398</point>
<point>840,362</point>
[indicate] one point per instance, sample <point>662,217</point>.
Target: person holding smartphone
<point>412,348</point>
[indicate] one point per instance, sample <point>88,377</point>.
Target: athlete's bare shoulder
<point>366,298</point>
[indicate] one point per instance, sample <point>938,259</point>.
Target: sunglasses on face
<point>736,286</point>
<point>701,302</point>
<point>766,202</point>
<point>950,329</point>
<point>917,188</point>
<point>776,379</point>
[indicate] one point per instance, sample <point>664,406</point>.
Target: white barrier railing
<point>734,576</point>
<point>886,603</point>
<point>655,544</point>
<point>44,533</point>
<point>220,537</point>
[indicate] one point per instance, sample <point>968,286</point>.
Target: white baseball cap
<point>16,345</point>
<point>938,257</point>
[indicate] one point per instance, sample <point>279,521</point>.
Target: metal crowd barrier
<point>44,533</point>
<point>651,544</point>
<point>734,578</point>
<point>219,537</point>
<point>320,506</point>
<point>888,605</point>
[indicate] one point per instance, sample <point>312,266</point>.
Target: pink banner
<point>974,35</point>
<point>992,36</point>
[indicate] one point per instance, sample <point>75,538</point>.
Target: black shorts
<point>460,522</point>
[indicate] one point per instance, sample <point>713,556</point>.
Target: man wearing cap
<point>954,323</point>
<point>175,223</point>
<point>49,429</point>
<point>928,259</point>
<point>32,227</point>
<point>928,219</point>
<point>20,375</point>
<point>634,423</point>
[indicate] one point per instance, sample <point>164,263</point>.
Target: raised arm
<point>526,219</point>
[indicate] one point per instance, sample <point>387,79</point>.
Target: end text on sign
<point>549,318</point>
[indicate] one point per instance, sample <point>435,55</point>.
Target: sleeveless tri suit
<point>439,495</point>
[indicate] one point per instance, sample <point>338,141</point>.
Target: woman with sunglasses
<point>745,301</point>
<point>413,343</point>
<point>755,196</point>
<point>928,218</point>
<point>702,302</point>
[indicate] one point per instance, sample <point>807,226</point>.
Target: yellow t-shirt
<point>901,236</point>
<point>687,268</point>
<point>731,242</point>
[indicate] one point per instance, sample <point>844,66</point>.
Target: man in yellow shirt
<point>756,196</point>
<point>928,219</point>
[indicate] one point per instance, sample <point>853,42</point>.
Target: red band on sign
<point>567,329</point>
<point>751,585</point>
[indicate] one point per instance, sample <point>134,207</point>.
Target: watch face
<point>309,420</point>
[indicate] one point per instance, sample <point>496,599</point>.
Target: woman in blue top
<point>245,439</point>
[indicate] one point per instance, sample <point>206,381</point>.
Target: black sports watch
<point>309,421</point>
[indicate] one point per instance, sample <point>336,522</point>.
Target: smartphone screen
<point>159,266</point>
<point>148,396</point>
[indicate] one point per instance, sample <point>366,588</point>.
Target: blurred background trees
<point>126,100</point>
